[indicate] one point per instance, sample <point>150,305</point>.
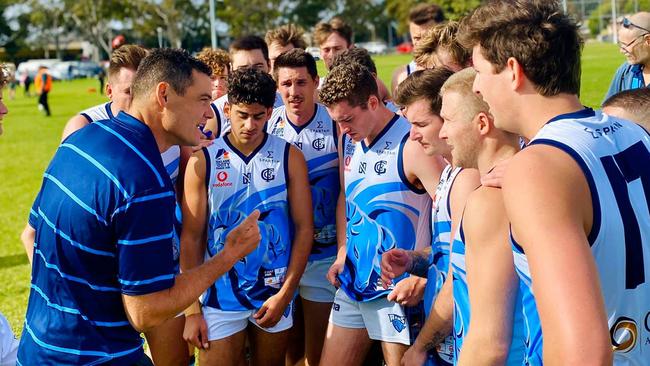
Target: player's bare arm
<point>301,211</point>
<point>27,237</point>
<point>491,279</point>
<point>436,327</point>
<point>341,224</point>
<point>75,123</point>
<point>193,240</point>
<point>549,205</point>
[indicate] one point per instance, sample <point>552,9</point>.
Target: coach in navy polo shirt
<point>103,269</point>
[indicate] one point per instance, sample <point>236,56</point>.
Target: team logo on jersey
<point>222,178</point>
<point>398,321</point>
<point>388,143</point>
<point>268,174</point>
<point>246,178</point>
<point>346,163</point>
<point>350,146</point>
<point>298,144</point>
<point>269,154</point>
<point>319,124</point>
<point>380,167</point>
<point>624,334</point>
<point>362,168</point>
<point>222,161</point>
<point>318,144</point>
<point>336,307</point>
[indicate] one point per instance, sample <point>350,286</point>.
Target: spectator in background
<point>634,43</point>
<point>283,39</point>
<point>219,62</point>
<point>633,105</point>
<point>101,76</point>
<point>43,85</point>
<point>27,81</point>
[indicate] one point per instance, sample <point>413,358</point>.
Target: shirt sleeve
<point>144,228</point>
<point>33,212</point>
<point>616,82</point>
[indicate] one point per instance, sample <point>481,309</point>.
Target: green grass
<point>30,140</point>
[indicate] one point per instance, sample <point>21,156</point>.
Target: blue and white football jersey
<point>462,309</point>
<point>238,185</point>
<point>383,209</point>
<point>317,140</point>
<point>98,113</point>
<point>614,155</point>
<point>533,327</point>
<point>440,244</point>
<point>411,67</point>
<point>223,123</point>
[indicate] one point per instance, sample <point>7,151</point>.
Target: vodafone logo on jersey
<point>222,180</point>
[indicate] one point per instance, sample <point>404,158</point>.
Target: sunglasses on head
<point>626,23</point>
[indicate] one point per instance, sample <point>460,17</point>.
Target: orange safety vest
<point>38,81</point>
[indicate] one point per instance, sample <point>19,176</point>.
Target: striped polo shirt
<point>104,226</point>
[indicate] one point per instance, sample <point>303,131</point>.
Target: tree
<point>250,17</point>
<point>92,19</point>
<point>454,9</point>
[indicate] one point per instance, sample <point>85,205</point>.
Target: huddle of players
<point>382,179</point>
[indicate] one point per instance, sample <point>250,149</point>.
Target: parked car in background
<point>30,67</point>
<point>404,47</point>
<point>314,51</point>
<point>375,48</point>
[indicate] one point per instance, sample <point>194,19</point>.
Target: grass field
<point>30,140</point>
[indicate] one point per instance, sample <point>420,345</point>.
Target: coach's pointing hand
<point>244,238</point>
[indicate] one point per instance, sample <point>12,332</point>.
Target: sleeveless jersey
<point>237,185</point>
<point>462,309</point>
<point>223,123</point>
<point>317,140</point>
<point>411,67</point>
<point>614,155</point>
<point>383,209</point>
<point>439,262</point>
<point>533,327</point>
<point>98,112</point>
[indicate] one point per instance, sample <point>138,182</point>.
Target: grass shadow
<point>9,261</point>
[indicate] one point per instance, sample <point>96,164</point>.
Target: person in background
<point>43,85</point>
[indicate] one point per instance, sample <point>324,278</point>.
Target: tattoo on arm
<point>420,266</point>
<point>437,338</point>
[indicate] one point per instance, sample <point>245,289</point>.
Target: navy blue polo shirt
<point>104,227</point>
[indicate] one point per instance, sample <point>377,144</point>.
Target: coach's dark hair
<point>127,56</point>
<point>171,65</point>
<point>250,43</point>
<point>358,55</point>
<point>251,86</point>
<point>426,13</point>
<point>349,82</point>
<point>537,33</point>
<point>296,57</point>
<point>634,101</point>
<point>423,85</point>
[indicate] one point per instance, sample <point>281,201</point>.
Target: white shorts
<point>314,285</point>
<point>385,320</point>
<point>222,324</point>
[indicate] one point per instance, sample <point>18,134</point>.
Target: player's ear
<point>226,110</point>
<point>373,102</point>
<point>162,91</point>
<point>484,123</point>
<point>516,73</point>
<point>108,90</point>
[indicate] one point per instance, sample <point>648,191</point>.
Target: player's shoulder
<point>484,210</point>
